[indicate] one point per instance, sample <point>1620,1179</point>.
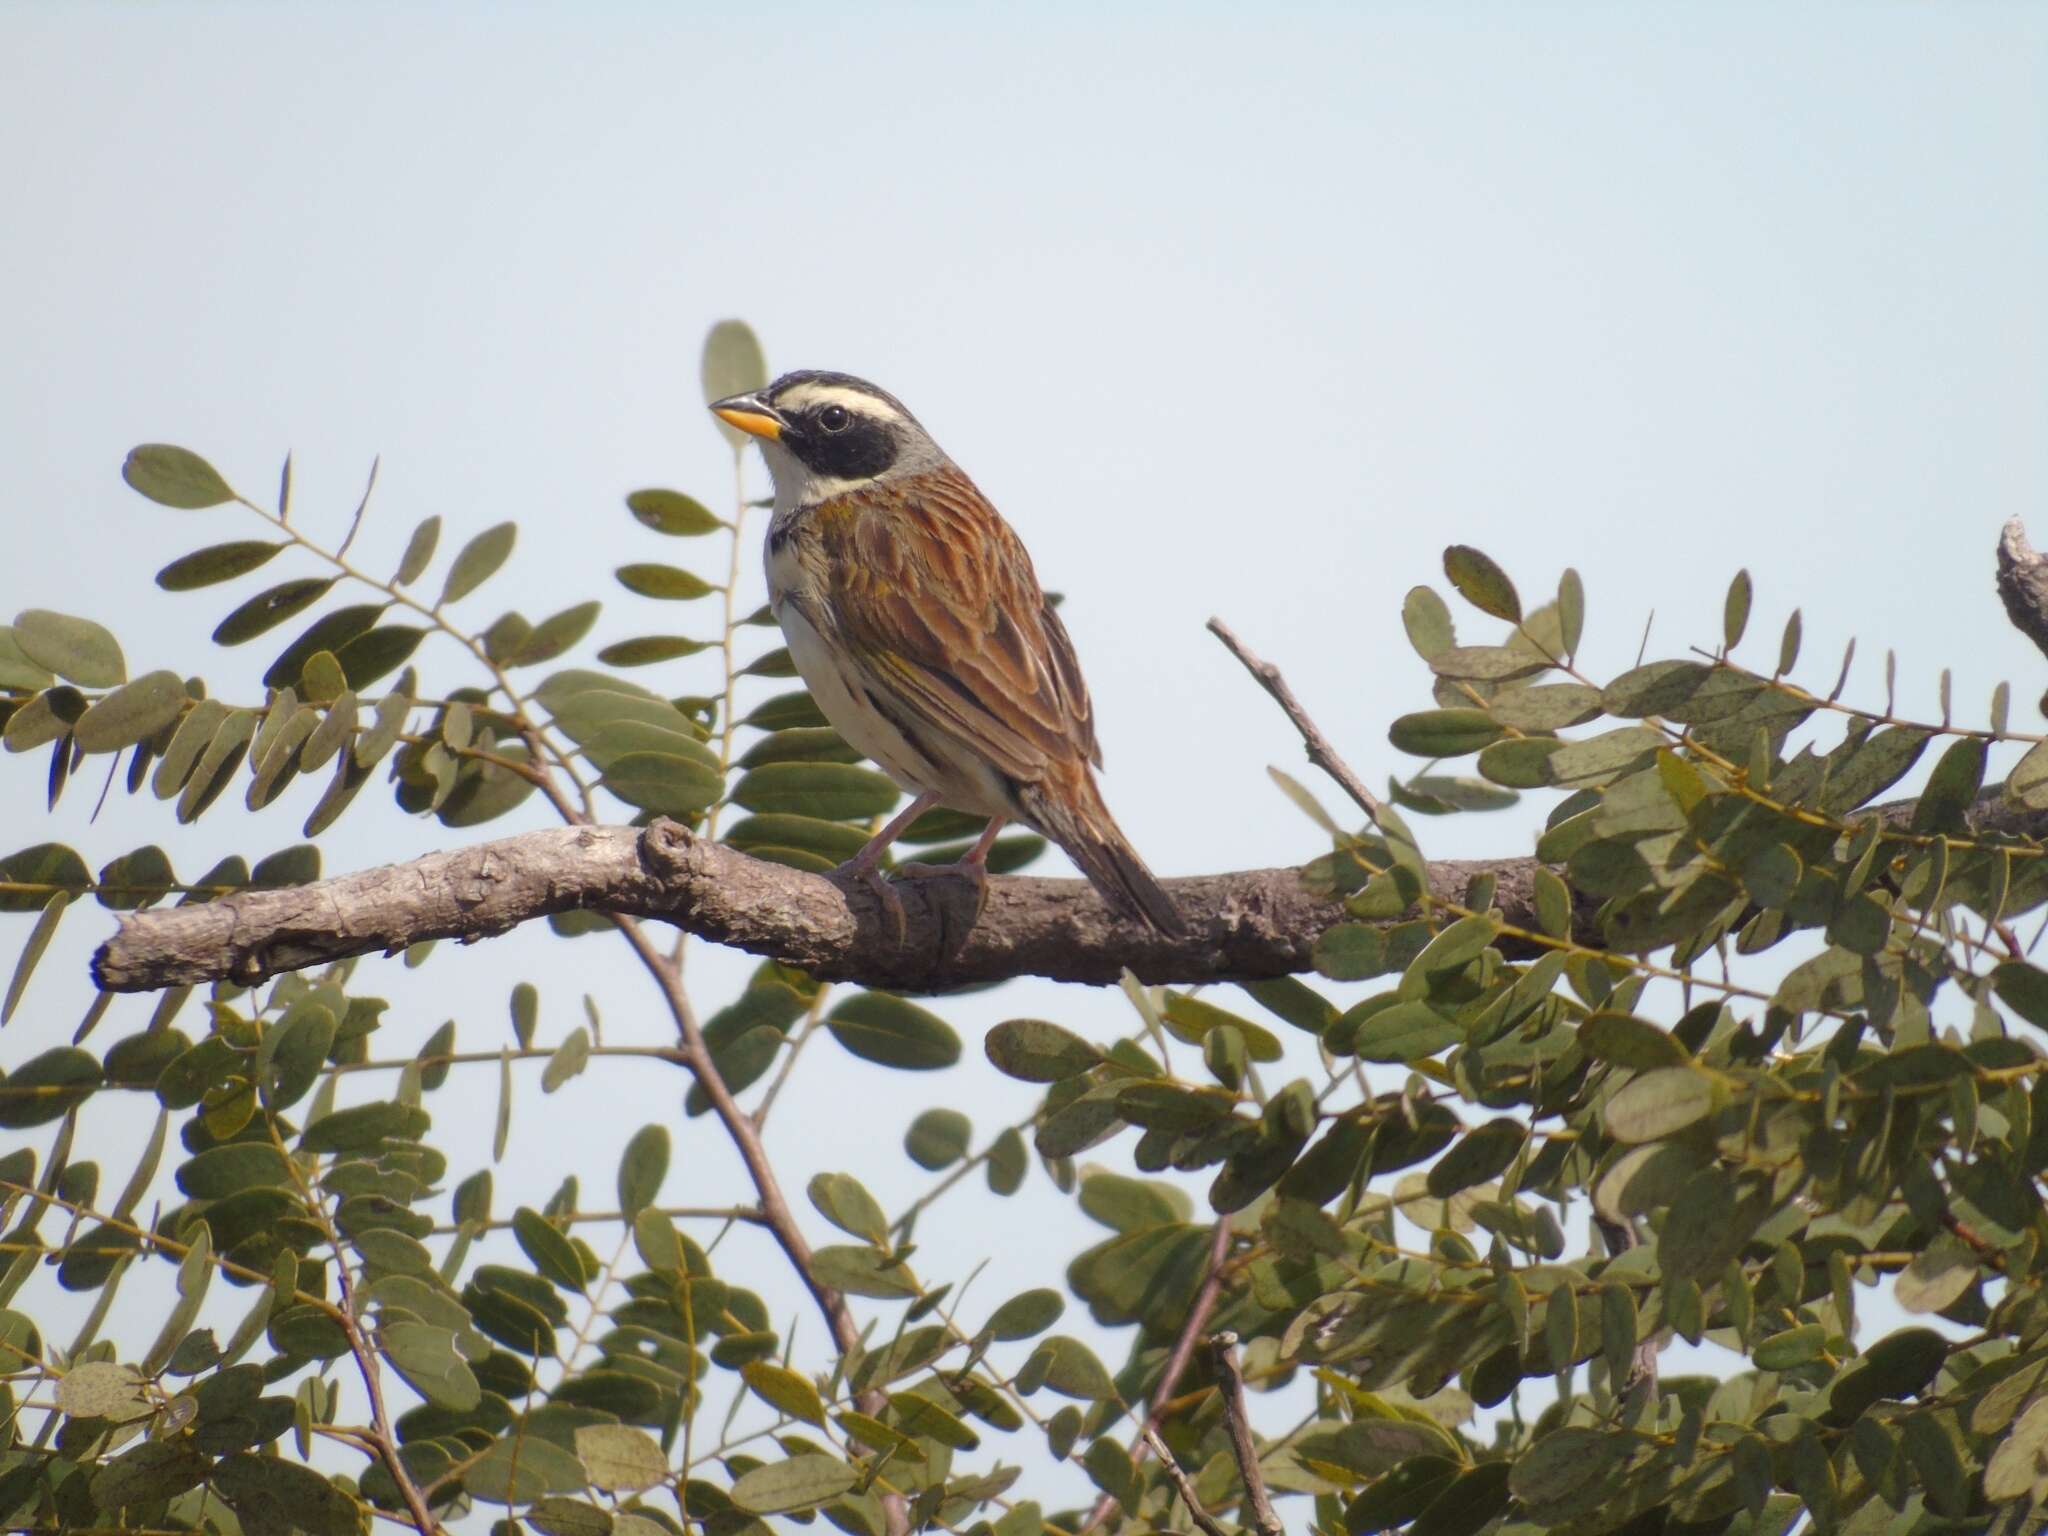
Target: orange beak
<point>750,414</point>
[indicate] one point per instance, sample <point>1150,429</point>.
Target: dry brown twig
<point>1204,1521</point>
<point>1237,1418</point>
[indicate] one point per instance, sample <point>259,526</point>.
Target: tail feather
<point>1072,814</point>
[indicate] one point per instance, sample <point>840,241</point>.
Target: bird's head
<point>824,434</point>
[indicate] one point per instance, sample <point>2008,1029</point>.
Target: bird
<point>914,617</point>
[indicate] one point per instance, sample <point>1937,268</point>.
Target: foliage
<point>1777,1038</point>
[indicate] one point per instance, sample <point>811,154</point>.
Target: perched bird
<point>914,617</point>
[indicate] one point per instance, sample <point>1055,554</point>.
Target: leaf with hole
<point>270,608</point>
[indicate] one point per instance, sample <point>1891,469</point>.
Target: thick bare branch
<point>1244,926</point>
<point>1241,927</point>
<point>2023,583</point>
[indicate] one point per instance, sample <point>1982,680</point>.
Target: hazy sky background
<point>1231,311</point>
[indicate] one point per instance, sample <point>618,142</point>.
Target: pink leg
<point>863,865</point>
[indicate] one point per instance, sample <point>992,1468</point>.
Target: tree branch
<point>1237,1419</point>
<point>1204,1521</point>
<point>2023,583</point>
<point>1246,926</point>
<point>1320,752</point>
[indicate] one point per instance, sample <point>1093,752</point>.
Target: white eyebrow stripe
<point>808,395</point>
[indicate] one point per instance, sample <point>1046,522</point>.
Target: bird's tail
<point>1067,807</point>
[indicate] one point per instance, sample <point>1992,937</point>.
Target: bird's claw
<point>886,898</point>
<point>976,874</point>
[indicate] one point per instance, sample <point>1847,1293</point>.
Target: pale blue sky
<point>1231,312</point>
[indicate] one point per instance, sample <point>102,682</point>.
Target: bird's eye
<point>835,418</point>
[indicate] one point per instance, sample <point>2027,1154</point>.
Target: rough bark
<point>1244,926</point>
<point>2023,583</point>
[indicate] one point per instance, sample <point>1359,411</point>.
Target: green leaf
<point>1026,1315</point>
<point>1659,1104</point>
<point>132,713</point>
<point>38,940</point>
<point>216,563</point>
<point>925,1419</point>
<point>883,1028</point>
<point>1951,789</point>
<point>1350,952</point>
<point>227,1170</point>
<point>75,649</point>
<point>831,791</point>
<point>1070,1368</point>
<point>478,562</point>
<point>673,513</point>
<point>862,1270</point>
<point>784,1390</point>
<point>642,1167</point>
<point>1794,1346</point>
<point>570,1058</point>
<point>731,364</point>
<point>175,477</point>
<point>1655,689</point>
<point>1628,1041</point>
<point>664,782</point>
<point>523,1468</point>
<point>938,1138</point>
<point>550,1253</point>
<point>648,649</point>
<point>331,632</point>
<point>620,1458</point>
<point>16,670</point>
<point>419,552</point>
<point>363,1127</point>
<point>668,582</point>
<point>1007,1163</point>
<point>1481,1154</point>
<point>1571,610</point>
<point>427,1357</point>
<point>801,1482</point>
<point>1035,1051</point>
<point>1546,706</point>
<point>1407,1031</point>
<point>1788,647</point>
<point>2027,786</point>
<point>1438,733</point>
<point>44,864</point>
<point>101,1389</point>
<point>1735,611</point>
<point>47,1086</point>
<point>270,608</point>
<point>1937,1277</point>
<point>1482,583</point>
<point>842,1200</point>
<point>554,635</point>
<point>1428,623</point>
<point>1293,1001</point>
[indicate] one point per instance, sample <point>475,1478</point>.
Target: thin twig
<point>1204,1521</point>
<point>1320,752</point>
<point>1176,1363</point>
<point>1230,1381</point>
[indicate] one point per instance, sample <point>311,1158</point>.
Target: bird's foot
<point>877,883</point>
<point>971,870</point>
